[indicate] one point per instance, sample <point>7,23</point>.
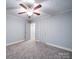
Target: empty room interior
<point>38,29</point>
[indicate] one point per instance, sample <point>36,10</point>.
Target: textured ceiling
<point>50,7</point>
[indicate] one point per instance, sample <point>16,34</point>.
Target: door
<point>32,31</point>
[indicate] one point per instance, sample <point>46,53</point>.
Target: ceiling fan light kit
<point>30,12</point>
<point>30,9</point>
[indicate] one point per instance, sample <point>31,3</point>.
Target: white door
<point>32,32</point>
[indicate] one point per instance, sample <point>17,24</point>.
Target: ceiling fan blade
<point>38,6</point>
<point>36,13</point>
<point>23,6</point>
<point>21,12</point>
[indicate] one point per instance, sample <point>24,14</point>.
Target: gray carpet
<point>35,50</point>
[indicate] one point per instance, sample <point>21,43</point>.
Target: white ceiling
<point>50,7</point>
<point>11,4</point>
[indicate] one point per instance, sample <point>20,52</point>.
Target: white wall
<point>27,31</point>
<point>15,28</point>
<point>55,30</point>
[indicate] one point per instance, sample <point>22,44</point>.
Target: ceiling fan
<point>30,11</point>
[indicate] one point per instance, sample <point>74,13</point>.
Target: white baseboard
<point>14,42</point>
<point>67,49</point>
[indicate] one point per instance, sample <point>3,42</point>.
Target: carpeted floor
<point>35,50</point>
